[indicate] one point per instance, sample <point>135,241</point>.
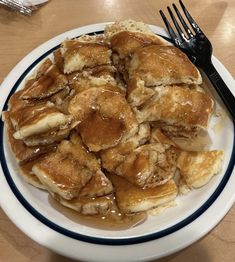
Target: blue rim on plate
<point>97,240</point>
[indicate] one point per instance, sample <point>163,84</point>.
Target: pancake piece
<point>40,70</point>
<point>137,92</point>
<point>125,42</point>
<point>62,174</point>
<point>58,60</point>
<point>51,137</point>
<point>131,198</point>
<point>23,153</point>
<point>99,185</point>
<point>179,111</point>
<point>197,168</point>
<point>105,118</point>
<point>72,170</point>
<point>15,102</point>
<point>97,71</point>
<point>51,82</point>
<point>28,175</point>
<point>37,119</point>
<point>163,65</point>
<point>113,157</point>
<point>157,136</point>
<point>99,132</point>
<point>75,148</point>
<point>149,165</point>
<point>88,206</point>
<point>130,26</point>
<point>78,55</point>
<point>82,83</point>
<point>125,38</point>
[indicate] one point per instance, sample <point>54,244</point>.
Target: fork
<point>17,6</point>
<point>199,50</point>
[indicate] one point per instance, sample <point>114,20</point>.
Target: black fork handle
<point>221,88</point>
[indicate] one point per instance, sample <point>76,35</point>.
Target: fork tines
<point>181,36</point>
<point>17,6</point>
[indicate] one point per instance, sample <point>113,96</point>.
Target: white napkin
<point>32,2</point>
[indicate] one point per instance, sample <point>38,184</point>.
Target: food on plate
<point>97,125</point>
<point>197,168</point>
<point>155,66</point>
<point>131,198</point>
<point>180,111</point>
<point>78,54</point>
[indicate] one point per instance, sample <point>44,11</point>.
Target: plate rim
<point>100,25</point>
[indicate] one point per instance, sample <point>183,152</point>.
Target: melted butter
<point>99,131</point>
<point>114,219</point>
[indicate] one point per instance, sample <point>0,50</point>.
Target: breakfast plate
<point>190,218</point>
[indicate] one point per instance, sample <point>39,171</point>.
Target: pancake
<point>113,157</point>
<point>62,174</point>
<point>105,118</point>
<point>131,26</point>
<point>197,168</point>
<point>138,93</point>
<point>40,70</point>
<point>157,136</point>
<point>178,111</point>
<point>51,82</point>
<point>37,119</point>
<point>163,65</point>
<point>107,82</point>
<point>149,165</point>
<point>62,99</point>
<point>28,175</point>
<point>99,185</point>
<point>22,152</point>
<point>126,43</point>
<point>76,149</point>
<point>78,55</point>
<point>131,198</point>
<point>87,206</point>
<point>51,137</point>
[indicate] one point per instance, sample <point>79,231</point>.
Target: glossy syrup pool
<point>112,220</point>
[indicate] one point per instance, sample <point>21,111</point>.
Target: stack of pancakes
<point>96,124</point>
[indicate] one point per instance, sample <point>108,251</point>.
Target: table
<point>19,35</point>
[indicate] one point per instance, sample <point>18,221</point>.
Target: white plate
<point>177,227</point>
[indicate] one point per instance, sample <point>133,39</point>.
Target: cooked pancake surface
<point>125,43</point>
<point>131,198</point>
<point>178,106</point>
<point>21,152</point>
<point>78,55</point>
<point>149,165</point>
<point>197,168</point>
<point>105,118</point>
<point>163,65</point>
<point>48,84</point>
